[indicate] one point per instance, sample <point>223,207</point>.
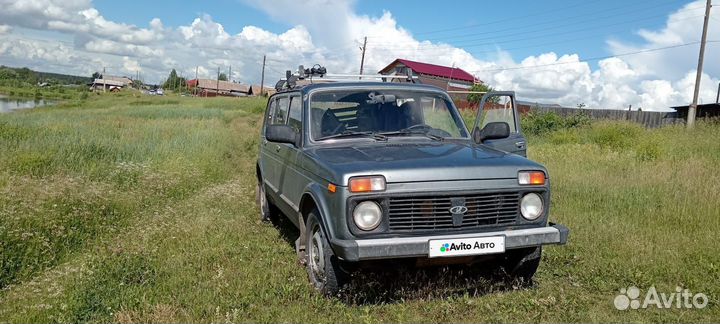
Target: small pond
<point>12,104</point>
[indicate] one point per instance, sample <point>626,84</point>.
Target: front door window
<point>498,108</point>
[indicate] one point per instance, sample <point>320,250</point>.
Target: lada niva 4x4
<point>388,170</point>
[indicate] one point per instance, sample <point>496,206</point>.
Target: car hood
<point>416,162</point>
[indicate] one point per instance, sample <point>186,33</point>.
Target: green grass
<point>141,209</point>
<point>54,92</point>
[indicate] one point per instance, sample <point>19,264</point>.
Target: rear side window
<point>270,112</point>
<point>295,115</point>
<point>281,112</point>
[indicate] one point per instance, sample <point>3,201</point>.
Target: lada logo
<point>458,210</point>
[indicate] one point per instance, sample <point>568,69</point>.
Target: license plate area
<point>466,246</point>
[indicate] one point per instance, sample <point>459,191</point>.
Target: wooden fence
<point>648,118</point>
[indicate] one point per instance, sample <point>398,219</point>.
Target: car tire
<point>268,211</point>
<point>522,264</point>
<point>323,267</point>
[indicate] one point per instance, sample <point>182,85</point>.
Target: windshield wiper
<point>414,132</point>
<point>373,135</point>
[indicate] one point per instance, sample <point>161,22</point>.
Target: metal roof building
<point>444,77</point>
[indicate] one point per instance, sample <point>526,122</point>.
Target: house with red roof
<point>444,77</point>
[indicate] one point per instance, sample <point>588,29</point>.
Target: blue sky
<point>521,27</point>
<point>601,53</point>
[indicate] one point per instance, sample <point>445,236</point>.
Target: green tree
<point>137,84</point>
<point>7,73</point>
<point>96,75</point>
<point>174,82</point>
<point>171,81</point>
<point>27,75</point>
<point>222,77</point>
<point>476,97</point>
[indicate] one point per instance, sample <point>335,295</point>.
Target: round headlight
<point>367,215</point>
<point>531,206</point>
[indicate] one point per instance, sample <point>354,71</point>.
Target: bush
<point>614,135</point>
<point>538,123</point>
<point>577,120</point>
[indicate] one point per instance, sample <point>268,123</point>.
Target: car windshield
<point>378,114</point>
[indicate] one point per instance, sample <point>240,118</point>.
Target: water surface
<point>12,104</point>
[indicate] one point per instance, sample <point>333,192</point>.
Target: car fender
<point>318,194</point>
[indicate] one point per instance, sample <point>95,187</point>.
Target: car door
<point>500,106</point>
<point>293,180</point>
<point>273,154</point>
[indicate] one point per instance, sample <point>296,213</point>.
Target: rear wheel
<point>323,266</point>
<point>522,264</point>
<point>267,209</point>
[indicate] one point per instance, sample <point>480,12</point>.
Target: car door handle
<point>520,144</point>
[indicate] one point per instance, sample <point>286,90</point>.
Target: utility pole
<point>103,78</point>
<point>197,82</point>
<point>229,78</point>
<point>693,107</point>
<point>362,59</point>
<point>452,69</point>
<point>717,98</point>
<point>217,87</point>
<point>262,78</point>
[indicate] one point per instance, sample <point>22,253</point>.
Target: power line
<point>553,11</point>
<point>434,47</point>
<point>593,58</point>
<point>578,20</point>
<point>473,43</point>
<point>625,8</point>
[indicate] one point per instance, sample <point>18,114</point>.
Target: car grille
<point>427,213</point>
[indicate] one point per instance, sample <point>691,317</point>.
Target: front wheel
<point>267,210</point>
<point>323,266</point>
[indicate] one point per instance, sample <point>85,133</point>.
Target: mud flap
<point>300,242</point>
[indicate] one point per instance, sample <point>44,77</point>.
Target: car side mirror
<point>494,130</point>
<point>281,134</point>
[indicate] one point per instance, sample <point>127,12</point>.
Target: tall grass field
<point>118,208</point>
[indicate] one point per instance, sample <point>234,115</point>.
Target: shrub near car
<point>388,170</point>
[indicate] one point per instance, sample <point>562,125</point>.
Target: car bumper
<point>417,246</point>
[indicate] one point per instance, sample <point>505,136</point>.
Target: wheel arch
<point>313,198</point>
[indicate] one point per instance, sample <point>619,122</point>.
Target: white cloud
<point>683,26</point>
<point>117,48</point>
<point>329,32</point>
<point>130,64</point>
<point>73,16</point>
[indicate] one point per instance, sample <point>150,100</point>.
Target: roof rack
<point>319,73</point>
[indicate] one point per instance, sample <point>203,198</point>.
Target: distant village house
<point>444,77</point>
<point>111,83</point>
<point>213,88</point>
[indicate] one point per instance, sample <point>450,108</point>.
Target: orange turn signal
<point>331,187</point>
<point>367,184</point>
<point>531,178</point>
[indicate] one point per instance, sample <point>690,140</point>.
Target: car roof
<point>361,84</point>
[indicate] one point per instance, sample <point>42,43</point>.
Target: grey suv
<point>386,170</point>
